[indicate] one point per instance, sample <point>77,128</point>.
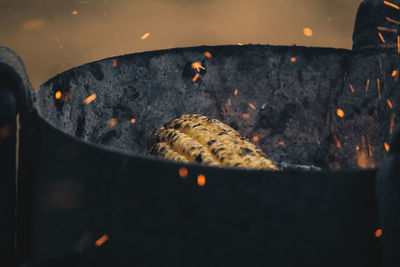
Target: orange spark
<point>398,44</point>
<point>240,44</point>
<point>114,63</point>
<point>145,36</point>
<point>386,29</point>
<point>391,4</point>
<point>340,113</point>
<point>393,21</point>
<point>363,161</point>
<point>236,92</point>
<point>133,120</point>
<point>256,138</point>
<point>357,148</point>
<point>252,106</point>
<point>112,122</point>
<point>345,76</point>
<point>183,172</point>
<point>281,143</point>
<point>390,104</point>
<point>201,180</point>
<point>337,142</point>
<point>378,82</point>
<point>35,24</point>
<point>74,12</point>
<point>293,59</point>
<point>387,147</point>
<point>351,88</point>
<point>90,99</point>
<point>381,36</point>
<point>207,54</point>
<point>99,242</point>
<point>195,77</point>
<point>392,123</point>
<point>308,32</point>
<point>369,147</point>
<point>378,233</point>
<point>367,86</point>
<point>58,95</point>
<point>394,73</point>
<point>197,66</point>
<point>246,115</point>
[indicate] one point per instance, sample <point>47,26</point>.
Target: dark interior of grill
<point>296,93</point>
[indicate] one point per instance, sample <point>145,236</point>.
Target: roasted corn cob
<point>196,138</point>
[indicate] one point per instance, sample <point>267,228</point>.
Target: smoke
<point>50,39</point>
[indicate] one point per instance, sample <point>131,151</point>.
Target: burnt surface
<point>376,17</point>
<point>295,103</point>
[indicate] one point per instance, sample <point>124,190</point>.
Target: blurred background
<point>52,36</point>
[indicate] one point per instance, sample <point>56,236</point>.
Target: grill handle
<point>388,197</point>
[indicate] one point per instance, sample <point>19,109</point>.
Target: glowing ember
<point>90,98</point>
<point>133,120</point>
<point>195,77</point>
<point>183,172</point>
<point>357,148</point>
<point>114,63</point>
<point>337,142</point>
<point>391,4</point>
<point>398,45</point>
<point>363,160</point>
<point>390,104</point>
<point>197,66</point>
<point>308,32</point>
<point>145,36</point>
<point>351,88</point>
<point>367,86</point>
<point>58,95</point>
<point>246,115</point>
<point>387,147</point>
<point>207,54</point>
<point>381,36</point>
<point>394,73</point>
<point>281,143</point>
<point>345,76</point>
<point>99,242</point>
<point>386,29</point>
<point>378,83</point>
<point>74,12</point>
<point>340,113</point>
<point>240,44</point>
<point>256,138</point>
<point>378,233</point>
<point>35,24</point>
<point>252,106</point>
<point>201,180</point>
<point>392,123</point>
<point>293,59</point>
<point>112,122</point>
<point>236,92</point>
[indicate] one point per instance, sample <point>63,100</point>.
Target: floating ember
<point>201,180</point>
<point>90,98</point>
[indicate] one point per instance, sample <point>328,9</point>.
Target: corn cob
<point>196,138</point>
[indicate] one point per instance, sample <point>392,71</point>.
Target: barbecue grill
<point>88,195</point>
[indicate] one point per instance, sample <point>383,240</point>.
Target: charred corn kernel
<point>196,138</point>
